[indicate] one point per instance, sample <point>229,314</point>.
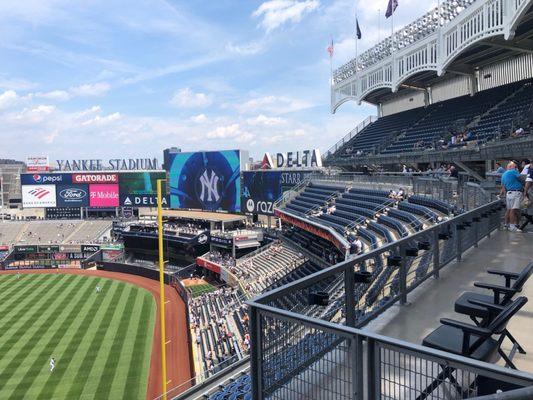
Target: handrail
<point>351,134</point>
<point>344,265</point>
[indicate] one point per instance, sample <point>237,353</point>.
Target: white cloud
<point>245,49</point>
<point>99,120</point>
<point>275,13</point>
<point>50,138</point>
<point>90,89</point>
<point>273,105</point>
<point>9,99</point>
<point>186,98</point>
<point>199,119</point>
<point>56,95</point>
<point>266,121</point>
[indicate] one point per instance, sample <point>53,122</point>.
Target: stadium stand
<point>488,115</point>
<point>219,320</point>
<point>53,232</point>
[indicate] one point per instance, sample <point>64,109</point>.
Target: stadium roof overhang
<point>480,54</point>
<point>509,41</point>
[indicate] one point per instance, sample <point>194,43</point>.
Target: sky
<point>112,78</point>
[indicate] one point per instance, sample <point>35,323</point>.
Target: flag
<point>393,4</point>
<point>330,49</point>
<point>357,29</point>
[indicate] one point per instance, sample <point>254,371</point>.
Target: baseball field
<point>101,342</point>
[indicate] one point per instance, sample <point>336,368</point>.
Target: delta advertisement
<point>205,180</point>
<point>261,189</point>
<point>139,189</point>
<point>95,190</point>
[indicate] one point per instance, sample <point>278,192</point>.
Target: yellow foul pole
<point>162,286</point>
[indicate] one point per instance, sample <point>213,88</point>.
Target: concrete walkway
<point>435,298</point>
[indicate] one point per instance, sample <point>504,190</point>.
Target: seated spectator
<point>518,133</point>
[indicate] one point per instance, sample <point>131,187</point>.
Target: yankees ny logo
<point>209,186</point>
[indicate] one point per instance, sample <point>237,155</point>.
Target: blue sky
<point>106,79</point>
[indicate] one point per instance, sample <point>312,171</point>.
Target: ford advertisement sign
<point>72,195</point>
<point>45,179</point>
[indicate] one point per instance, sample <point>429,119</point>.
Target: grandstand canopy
<point>483,49</point>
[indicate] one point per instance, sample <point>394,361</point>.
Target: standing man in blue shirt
<point>512,189</point>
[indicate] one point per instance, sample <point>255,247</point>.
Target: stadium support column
<point>162,287</point>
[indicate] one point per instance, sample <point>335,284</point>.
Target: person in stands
<point>499,169</point>
<point>512,189</point>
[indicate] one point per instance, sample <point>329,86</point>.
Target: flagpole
<point>331,64</point>
<point>356,38</point>
<point>392,32</point>
<point>379,25</point>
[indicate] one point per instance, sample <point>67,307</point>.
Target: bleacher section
<point>373,136</point>
<point>505,117</point>
<point>373,215</point>
<point>52,232</point>
<point>219,321</point>
<point>369,214</point>
<point>488,115</point>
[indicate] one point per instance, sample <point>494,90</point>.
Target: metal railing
<point>350,135</point>
<point>308,351</point>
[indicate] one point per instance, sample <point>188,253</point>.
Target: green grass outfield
<point>101,342</point>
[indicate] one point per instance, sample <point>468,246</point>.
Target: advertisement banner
<point>25,249</point>
<point>140,182</point>
<point>139,189</point>
<point>141,200</point>
<point>205,180</point>
<point>72,195</point>
<point>37,164</point>
<point>94,178</point>
<point>37,196</point>
<point>89,248</point>
<point>44,179</point>
<point>260,190</point>
<point>101,196</point>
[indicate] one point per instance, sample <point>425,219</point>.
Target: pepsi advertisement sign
<point>72,195</point>
<point>45,179</point>
<point>205,180</point>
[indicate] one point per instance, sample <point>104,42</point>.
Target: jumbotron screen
<point>205,180</point>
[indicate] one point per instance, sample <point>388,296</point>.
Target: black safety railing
<point>301,349</point>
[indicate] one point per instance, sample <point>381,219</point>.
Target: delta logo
<point>39,193</point>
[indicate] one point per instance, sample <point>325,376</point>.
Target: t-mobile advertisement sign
<point>103,196</point>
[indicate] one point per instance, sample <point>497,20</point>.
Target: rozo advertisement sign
<point>261,189</point>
